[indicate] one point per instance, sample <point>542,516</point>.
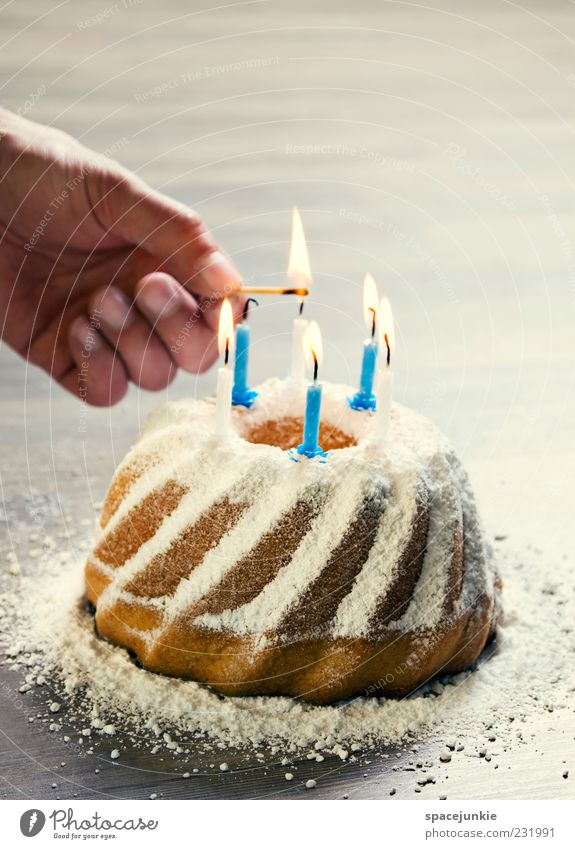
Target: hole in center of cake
<point>287,432</point>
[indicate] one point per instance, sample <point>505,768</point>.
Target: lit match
<point>272,290</point>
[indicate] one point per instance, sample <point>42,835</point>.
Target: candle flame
<point>226,330</point>
<point>386,329</point>
<point>312,346</point>
<point>370,302</point>
<point>299,271</point>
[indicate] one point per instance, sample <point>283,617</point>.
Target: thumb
<point>171,231</point>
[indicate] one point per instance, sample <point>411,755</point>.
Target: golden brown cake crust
<point>320,671</point>
<point>239,569</point>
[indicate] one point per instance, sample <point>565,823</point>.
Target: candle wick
<point>227,353</point>
<point>388,351</point>
<point>246,312</point>
<point>372,311</point>
<point>301,303</point>
<point>315,367</point>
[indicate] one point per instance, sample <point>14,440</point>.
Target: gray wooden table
<point>429,143</point>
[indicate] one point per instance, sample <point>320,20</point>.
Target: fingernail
<point>86,334</point>
<point>115,310</point>
<point>161,297</point>
<point>238,303</point>
<point>221,274</point>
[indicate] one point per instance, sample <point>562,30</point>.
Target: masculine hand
<point>102,280</point>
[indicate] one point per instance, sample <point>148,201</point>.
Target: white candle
<point>383,409</point>
<point>297,353</point>
<point>385,381</point>
<point>299,273</point>
<point>225,382</point>
<point>224,401</point>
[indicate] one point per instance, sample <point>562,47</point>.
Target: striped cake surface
<point>228,562</point>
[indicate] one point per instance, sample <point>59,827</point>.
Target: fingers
<point>213,274</point>
<point>99,377</point>
<point>143,341</point>
<point>172,232</point>
<point>146,360</point>
<point>178,320</point>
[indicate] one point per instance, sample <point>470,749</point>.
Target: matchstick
<point>271,290</point>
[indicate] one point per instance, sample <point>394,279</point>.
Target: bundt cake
<point>228,563</point>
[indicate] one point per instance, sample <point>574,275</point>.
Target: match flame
<point>370,302</point>
<point>226,330</point>
<point>299,271</point>
<point>386,330</point>
<point>312,345</point>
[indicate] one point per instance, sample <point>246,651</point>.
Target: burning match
<point>271,290</point>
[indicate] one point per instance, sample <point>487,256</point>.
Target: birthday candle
<point>242,357</point>
<point>225,374</point>
<point>385,383</point>
<point>299,273</point>
<point>364,399</point>
<point>313,347</point>
<point>242,395</point>
<point>298,356</point>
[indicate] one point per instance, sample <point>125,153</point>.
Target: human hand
<point>102,280</point>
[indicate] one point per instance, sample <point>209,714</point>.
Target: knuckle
<point>192,220</point>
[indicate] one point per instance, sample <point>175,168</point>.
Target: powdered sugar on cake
<point>49,635</point>
<point>416,466</point>
<point>413,462</point>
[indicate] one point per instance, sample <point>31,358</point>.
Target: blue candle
<point>310,446</point>
<point>364,398</point>
<point>242,395</point>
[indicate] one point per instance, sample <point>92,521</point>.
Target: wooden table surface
<point>431,143</point>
